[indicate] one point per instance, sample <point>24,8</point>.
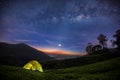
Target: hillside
<point>104,70</point>
<point>88,59</point>
<point>19,54</point>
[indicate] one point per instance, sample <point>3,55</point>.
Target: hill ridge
<point>19,54</point>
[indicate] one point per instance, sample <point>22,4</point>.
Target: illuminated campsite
<point>33,65</point>
<point>59,39</point>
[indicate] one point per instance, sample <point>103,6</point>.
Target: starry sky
<point>58,24</point>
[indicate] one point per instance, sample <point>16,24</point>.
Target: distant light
<point>59,45</point>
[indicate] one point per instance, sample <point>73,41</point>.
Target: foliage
<point>117,36</point>
<point>89,48</point>
<point>102,40</point>
<point>96,48</point>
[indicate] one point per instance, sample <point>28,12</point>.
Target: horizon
<point>52,52</point>
<point>65,26</point>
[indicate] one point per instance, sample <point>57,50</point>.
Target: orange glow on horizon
<point>59,52</point>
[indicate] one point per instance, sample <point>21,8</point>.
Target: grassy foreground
<point>80,61</point>
<point>104,70</point>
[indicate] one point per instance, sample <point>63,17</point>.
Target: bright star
<point>59,45</point>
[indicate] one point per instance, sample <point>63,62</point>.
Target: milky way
<point>47,23</point>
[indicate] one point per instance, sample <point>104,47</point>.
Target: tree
<point>117,36</point>
<point>96,48</point>
<point>89,48</point>
<point>102,40</point>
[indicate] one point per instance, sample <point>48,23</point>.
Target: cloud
<point>52,43</point>
<point>18,30</point>
<point>55,19</point>
<point>24,40</point>
<point>51,36</point>
<point>73,19</point>
<point>10,30</point>
<point>26,32</point>
<point>54,51</point>
<point>80,17</point>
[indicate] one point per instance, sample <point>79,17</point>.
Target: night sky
<point>58,24</point>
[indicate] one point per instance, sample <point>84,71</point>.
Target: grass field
<point>103,70</point>
<point>80,61</point>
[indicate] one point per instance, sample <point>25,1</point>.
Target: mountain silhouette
<point>20,54</point>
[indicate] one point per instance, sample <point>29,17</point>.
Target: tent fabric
<point>33,65</point>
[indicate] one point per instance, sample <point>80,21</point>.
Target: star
<point>59,45</point>
<point>61,24</point>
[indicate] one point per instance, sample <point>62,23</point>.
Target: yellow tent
<point>33,65</point>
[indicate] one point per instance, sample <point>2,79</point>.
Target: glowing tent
<point>33,65</point>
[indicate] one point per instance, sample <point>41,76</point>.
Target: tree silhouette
<point>102,40</point>
<point>96,48</point>
<point>117,36</point>
<point>89,48</point>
